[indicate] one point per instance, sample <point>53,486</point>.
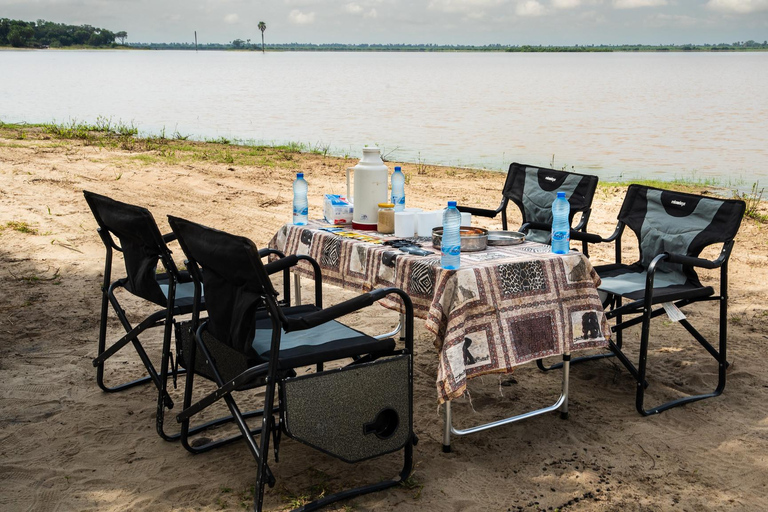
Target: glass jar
<point>386,222</point>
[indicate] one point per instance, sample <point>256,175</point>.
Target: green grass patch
<point>753,201</point>
<point>22,227</point>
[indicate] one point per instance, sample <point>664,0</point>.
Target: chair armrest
<point>281,264</point>
<point>696,262</point>
<point>344,308</point>
<point>536,225</point>
<point>479,212</point>
<point>590,238</point>
<point>169,237</point>
<point>263,253</point>
<point>575,234</point>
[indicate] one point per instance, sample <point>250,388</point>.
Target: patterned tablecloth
<point>505,306</point>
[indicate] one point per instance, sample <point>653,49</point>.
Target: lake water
<point>618,115</point>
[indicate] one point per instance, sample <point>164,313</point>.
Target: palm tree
<point>262,27</point>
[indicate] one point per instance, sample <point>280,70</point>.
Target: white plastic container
<point>371,178</point>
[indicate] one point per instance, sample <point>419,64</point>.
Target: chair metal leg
<point>719,355</point>
<point>131,337</point>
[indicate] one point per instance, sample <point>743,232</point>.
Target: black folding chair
<point>249,340</point>
<point>533,189</point>
<point>672,229</point>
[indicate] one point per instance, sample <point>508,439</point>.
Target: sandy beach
<point>66,445</point>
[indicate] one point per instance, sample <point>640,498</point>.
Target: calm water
<point>616,115</point>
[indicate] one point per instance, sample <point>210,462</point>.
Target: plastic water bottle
<point>300,205</point>
<point>398,189</point>
<point>561,228</point>
<point>450,246</point>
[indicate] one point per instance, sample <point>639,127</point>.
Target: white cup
<point>424,223</point>
<point>466,219</point>
<point>405,224</point>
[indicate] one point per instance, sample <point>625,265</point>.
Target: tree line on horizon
<point>240,44</point>
<point>41,34</point>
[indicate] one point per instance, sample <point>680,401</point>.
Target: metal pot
<point>472,239</point>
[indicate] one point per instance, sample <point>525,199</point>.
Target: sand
<point>66,445</point>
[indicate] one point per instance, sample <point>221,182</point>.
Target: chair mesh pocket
<point>229,362</point>
<point>353,413</point>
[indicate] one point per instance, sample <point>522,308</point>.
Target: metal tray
<point>505,237</point>
<point>472,239</point>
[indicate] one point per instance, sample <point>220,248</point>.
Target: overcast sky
<point>475,22</point>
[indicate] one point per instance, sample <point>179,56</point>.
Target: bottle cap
<point>301,175</point>
<point>561,194</point>
<point>451,204</point>
<point>397,168</point>
<point>386,205</point>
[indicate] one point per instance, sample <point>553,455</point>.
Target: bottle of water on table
<point>450,246</point>
<point>561,227</point>
<point>398,189</point>
<point>300,204</point>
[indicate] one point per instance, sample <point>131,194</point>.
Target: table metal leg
<point>560,405</point>
<point>566,380</point>
<point>297,289</point>
<point>447,427</point>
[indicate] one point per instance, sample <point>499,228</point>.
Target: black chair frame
<point>643,310</point>
<point>165,317</point>
<point>270,374</point>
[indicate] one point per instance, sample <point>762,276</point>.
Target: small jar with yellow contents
<point>386,223</point>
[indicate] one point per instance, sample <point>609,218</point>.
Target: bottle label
<point>561,236</point>
<point>451,251</point>
<point>301,211</point>
<point>398,200</point>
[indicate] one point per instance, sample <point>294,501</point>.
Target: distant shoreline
<point>418,48</point>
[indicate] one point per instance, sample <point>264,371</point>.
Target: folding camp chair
<point>672,229</point>
<point>142,246</point>
<point>533,189</point>
<point>249,340</point>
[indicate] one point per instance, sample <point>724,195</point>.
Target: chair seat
<point>629,281</point>
<point>185,294</point>
<point>327,342</point>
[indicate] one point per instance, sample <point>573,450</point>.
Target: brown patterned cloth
<point>505,306</point>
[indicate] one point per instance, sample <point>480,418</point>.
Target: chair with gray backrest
<point>672,229</point>
<point>251,342</point>
<point>533,189</point>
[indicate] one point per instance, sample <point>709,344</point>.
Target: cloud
<point>462,6</point>
<point>354,8</point>
<point>301,18</point>
<point>529,8</point>
<point>634,4</point>
<point>371,14</point>
<point>738,6</point>
<point>231,18</point>
<point>565,4</point>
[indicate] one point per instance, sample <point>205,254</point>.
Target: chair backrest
<point>233,277</point>
<point>679,223</point>
<point>533,189</point>
<point>140,241</point>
